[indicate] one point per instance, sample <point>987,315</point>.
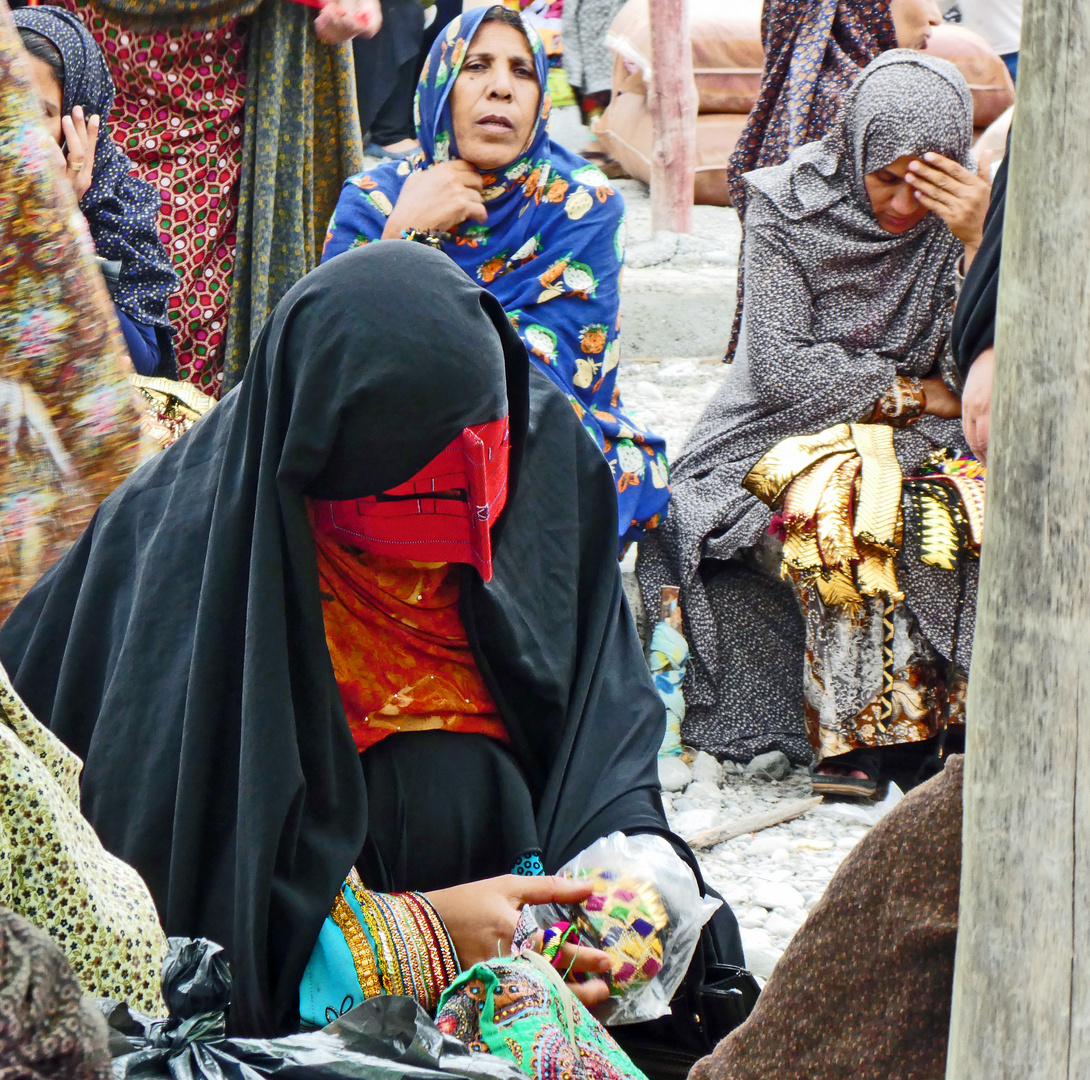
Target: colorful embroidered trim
<point>363,956</point>
<point>401,948</point>
<point>949,499</point>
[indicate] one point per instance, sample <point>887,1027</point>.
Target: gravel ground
<point>771,878</point>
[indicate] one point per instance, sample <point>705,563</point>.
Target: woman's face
<point>914,22</point>
<point>495,98</point>
<point>48,91</point>
<point>893,198</point>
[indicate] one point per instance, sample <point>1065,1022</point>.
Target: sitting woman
<point>396,646</point>
<point>69,75</point>
<point>837,394</point>
<point>540,228</point>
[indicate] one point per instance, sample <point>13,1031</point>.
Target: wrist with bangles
<point>902,403</point>
<point>431,237</point>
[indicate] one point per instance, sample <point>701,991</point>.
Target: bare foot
<point>841,770</point>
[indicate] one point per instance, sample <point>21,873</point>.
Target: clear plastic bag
<point>386,1038</point>
<point>646,912</point>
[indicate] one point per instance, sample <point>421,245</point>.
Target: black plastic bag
<point>387,1038</point>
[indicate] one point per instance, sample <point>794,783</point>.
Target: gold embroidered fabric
<point>168,409</point>
<point>55,872</point>
<point>841,509</point>
<point>839,493</point>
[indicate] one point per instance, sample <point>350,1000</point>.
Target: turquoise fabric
<point>330,986</point>
<point>668,660</point>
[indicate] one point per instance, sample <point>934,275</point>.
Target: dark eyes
<point>521,71</point>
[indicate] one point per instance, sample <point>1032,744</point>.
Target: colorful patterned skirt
<point>871,679</point>
<point>178,117</point>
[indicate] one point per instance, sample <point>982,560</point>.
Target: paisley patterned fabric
<point>47,1027</point>
<point>55,872</point>
<point>517,1011</point>
<point>399,650</point>
<point>551,252</point>
<point>843,679</point>
<point>70,432</point>
<point>246,191</point>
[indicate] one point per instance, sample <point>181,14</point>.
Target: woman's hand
<point>976,403</point>
<point>958,196</point>
<point>938,400</point>
<point>481,918</point>
<point>81,135</point>
<point>437,199</point>
<point>342,20</point>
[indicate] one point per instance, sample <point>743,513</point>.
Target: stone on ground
<point>775,765</point>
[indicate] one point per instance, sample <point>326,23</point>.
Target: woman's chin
<point>486,157</point>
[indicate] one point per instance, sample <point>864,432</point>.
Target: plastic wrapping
<point>387,1038</point>
<point>646,912</point>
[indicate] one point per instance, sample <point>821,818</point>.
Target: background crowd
<point>317,476</point>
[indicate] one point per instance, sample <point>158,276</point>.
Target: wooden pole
<point>673,103</point>
<point>1021,1006</point>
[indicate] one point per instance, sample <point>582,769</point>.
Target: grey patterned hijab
<point>894,108</point>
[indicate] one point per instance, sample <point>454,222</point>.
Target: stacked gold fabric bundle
<point>839,496</point>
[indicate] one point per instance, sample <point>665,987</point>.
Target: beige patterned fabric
<point>54,871</point>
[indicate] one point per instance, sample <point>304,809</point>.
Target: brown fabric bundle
<point>47,1027</point>
<point>864,988</point>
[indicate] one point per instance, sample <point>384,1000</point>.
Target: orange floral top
<point>398,646</point>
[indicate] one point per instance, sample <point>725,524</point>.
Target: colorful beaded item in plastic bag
<point>626,918</point>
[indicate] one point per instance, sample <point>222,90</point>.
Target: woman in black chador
<point>283,662</point>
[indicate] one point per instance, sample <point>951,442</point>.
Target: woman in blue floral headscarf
<point>538,226</point>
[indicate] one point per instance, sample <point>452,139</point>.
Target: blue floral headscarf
<point>551,252</point>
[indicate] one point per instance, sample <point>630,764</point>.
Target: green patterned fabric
<point>520,1009</point>
<point>301,138</point>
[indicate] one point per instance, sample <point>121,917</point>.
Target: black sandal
<point>854,786</point>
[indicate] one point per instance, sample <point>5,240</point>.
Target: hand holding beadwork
<point>481,918</point>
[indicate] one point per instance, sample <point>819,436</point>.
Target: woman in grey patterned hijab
<point>852,249</point>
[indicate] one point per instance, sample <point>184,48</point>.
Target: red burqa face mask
<point>444,513</point>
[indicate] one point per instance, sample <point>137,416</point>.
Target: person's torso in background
<point>998,22</point>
